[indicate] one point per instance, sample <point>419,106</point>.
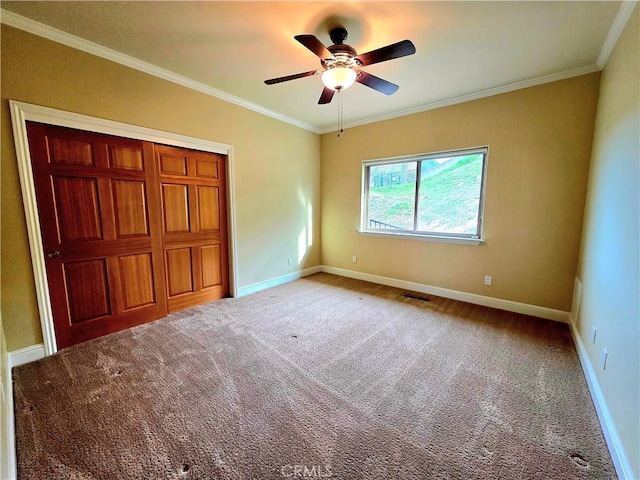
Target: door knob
<point>53,254</point>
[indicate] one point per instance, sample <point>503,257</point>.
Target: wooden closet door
<point>194,217</point>
<point>98,202</point>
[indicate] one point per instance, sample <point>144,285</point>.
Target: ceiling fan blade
<point>377,83</point>
<point>396,50</point>
<point>315,45</point>
<point>327,95</point>
<point>290,77</point>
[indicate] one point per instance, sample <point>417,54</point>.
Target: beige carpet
<point>324,377</point>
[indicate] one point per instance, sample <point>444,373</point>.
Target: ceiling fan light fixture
<point>339,78</point>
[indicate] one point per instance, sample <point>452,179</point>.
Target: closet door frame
<point>21,113</point>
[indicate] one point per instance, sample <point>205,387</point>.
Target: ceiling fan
<point>341,64</point>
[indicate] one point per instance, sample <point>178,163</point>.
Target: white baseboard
<point>508,305</point>
<point>9,451</point>
<point>616,449</point>
<point>256,287</point>
<point>26,355</point>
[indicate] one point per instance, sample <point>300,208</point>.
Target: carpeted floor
<point>324,377</point>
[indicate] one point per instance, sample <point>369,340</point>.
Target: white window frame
<point>472,239</point>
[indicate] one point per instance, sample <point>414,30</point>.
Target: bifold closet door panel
<point>99,209</point>
<point>194,216</point>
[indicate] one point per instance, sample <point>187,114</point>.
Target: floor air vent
<point>416,296</point>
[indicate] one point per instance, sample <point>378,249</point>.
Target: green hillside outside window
<point>436,194</point>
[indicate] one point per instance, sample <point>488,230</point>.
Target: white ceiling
<point>464,49</point>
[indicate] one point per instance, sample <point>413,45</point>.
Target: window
<point>431,195</point>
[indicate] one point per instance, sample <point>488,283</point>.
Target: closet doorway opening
<point>152,227</point>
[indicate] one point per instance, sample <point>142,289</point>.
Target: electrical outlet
<point>594,330</point>
<point>289,261</point>
<point>603,359</point>
<point>487,279</point>
<point>354,259</point>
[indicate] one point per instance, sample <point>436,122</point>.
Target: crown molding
<point>45,31</point>
<point>489,92</point>
<point>40,29</point>
<point>624,13</point>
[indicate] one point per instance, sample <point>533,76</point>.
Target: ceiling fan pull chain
<point>340,114</point>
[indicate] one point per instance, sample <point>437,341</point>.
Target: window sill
<point>424,238</point>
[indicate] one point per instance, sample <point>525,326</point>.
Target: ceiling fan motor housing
<point>345,57</point>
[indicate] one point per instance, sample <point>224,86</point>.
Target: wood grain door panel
<point>179,271</point>
<point>172,163</point>
<point>208,208</point>
<point>70,152</point>
<point>87,289</point>
<point>211,263</point>
<point>136,281</point>
<point>98,202</point>
<point>175,201</point>
<point>130,206</point>
<point>206,168</point>
<point>125,158</point>
<point>77,208</point>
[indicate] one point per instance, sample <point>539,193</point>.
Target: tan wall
<point>539,149</point>
<point>277,166</point>
<point>609,266</point>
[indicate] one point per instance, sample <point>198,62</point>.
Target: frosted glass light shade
<point>339,78</point>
